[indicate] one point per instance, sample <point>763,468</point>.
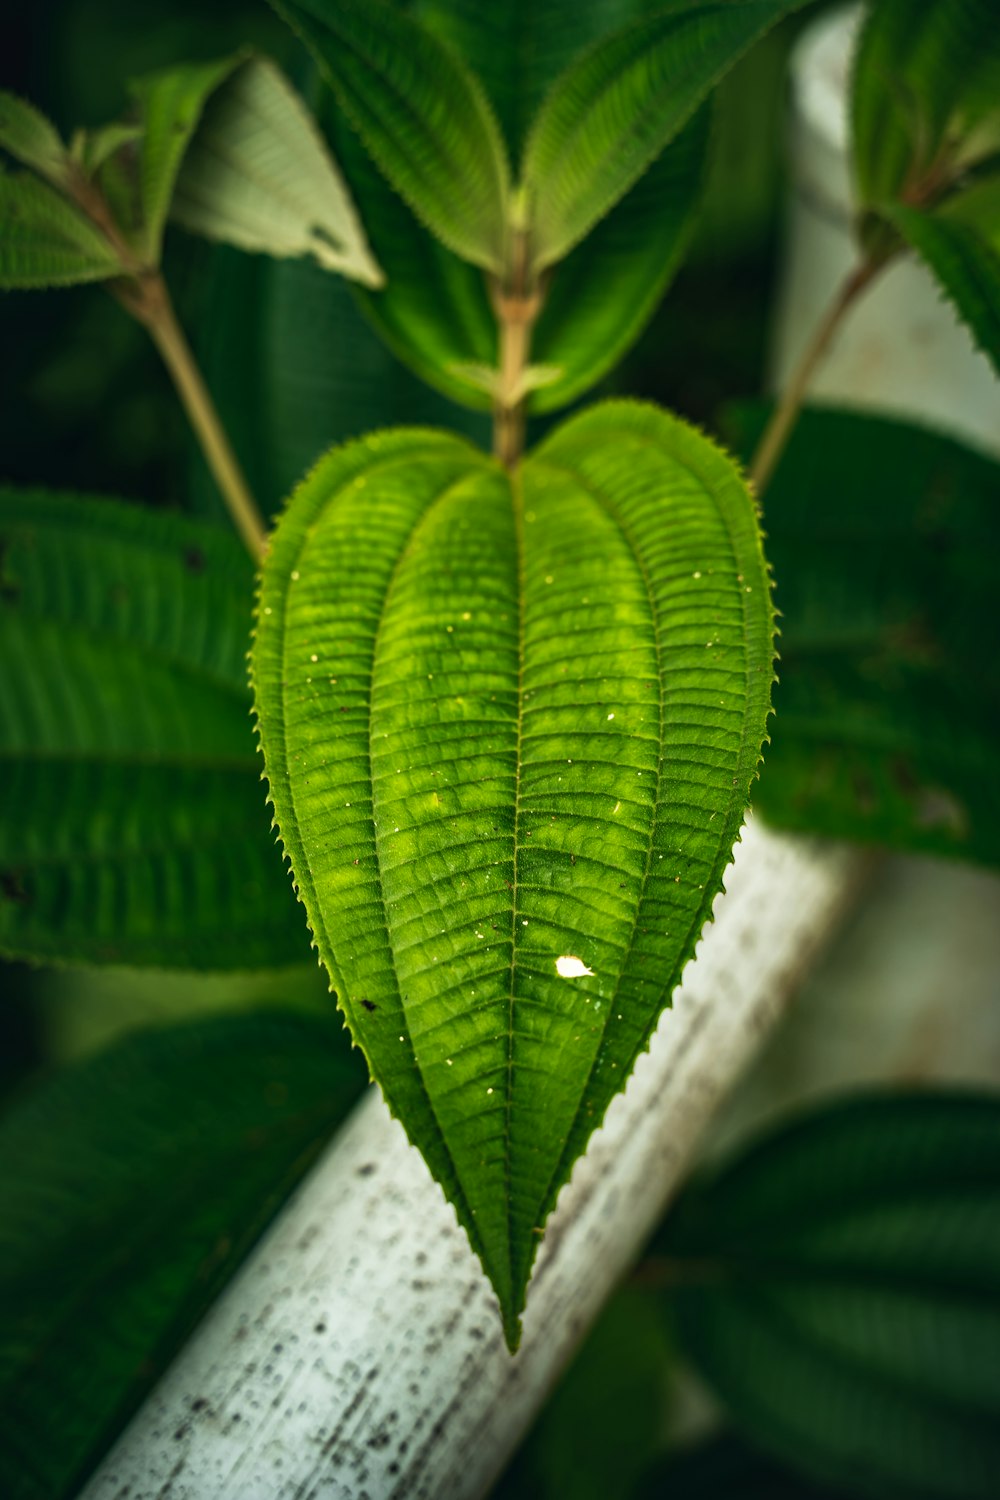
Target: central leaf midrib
<point>517,507</point>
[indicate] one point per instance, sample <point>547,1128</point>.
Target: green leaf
<point>925,72</point>
<point>510,726</point>
<point>725,1467</point>
<point>965,264</point>
<point>171,104</point>
<point>434,311</point>
<point>612,113</point>
<point>32,139</point>
<point>422,115</point>
<point>603,294</point>
<point>131,1187</point>
<point>606,1419</point>
<point>45,241</point>
<point>133,827</point>
<point>258,175</point>
<point>93,147</point>
<point>839,1287</point>
<point>888,704</point>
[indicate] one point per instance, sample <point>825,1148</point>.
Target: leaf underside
<point>850,1316</point>
<point>507,722</point>
<point>44,240</point>
<point>258,175</point>
<point>133,828</point>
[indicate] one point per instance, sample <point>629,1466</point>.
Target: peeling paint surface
<point>359,1356</point>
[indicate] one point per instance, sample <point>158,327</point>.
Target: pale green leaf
<point>612,113</point>
<point>422,115</point>
<point>93,147</point>
<point>131,1187</point>
<point>508,722</point>
<point>31,139</point>
<point>259,176</point>
<point>888,706</point>
<point>839,1287</point>
<point>133,828</point>
<point>925,72</point>
<point>965,264</point>
<point>170,105</point>
<point>44,240</point>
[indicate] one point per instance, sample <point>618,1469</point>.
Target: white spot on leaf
<point>570,967</point>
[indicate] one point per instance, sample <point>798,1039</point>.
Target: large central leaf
<point>510,724</point>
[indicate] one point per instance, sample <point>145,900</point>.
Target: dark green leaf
<point>602,296</point>
<point>925,71</point>
<point>259,176</point>
<point>966,265</point>
<point>612,113</point>
<point>294,366</point>
<point>726,1468</point>
<point>422,115</point>
<point>839,1286</point>
<point>606,1419</point>
<point>44,240</point>
<point>884,540</point>
<point>32,139</point>
<point>510,727</point>
<point>133,828</point>
<point>131,1186</point>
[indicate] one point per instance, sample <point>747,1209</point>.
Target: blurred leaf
<point>725,1468</point>
<point>965,264</point>
<point>422,115</point>
<point>838,1286</point>
<point>32,139</point>
<point>258,175</point>
<point>884,541</point>
<point>606,1419</point>
<point>131,1187</point>
<point>93,147</point>
<point>295,367</point>
<point>924,73</point>
<point>434,311</point>
<point>171,104</point>
<point>133,828</point>
<point>612,112</point>
<point>44,240</point>
<point>603,294</point>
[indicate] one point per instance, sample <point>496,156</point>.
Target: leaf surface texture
<point>507,722</point>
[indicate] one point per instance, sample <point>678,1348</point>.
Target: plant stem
<point>148,300</point>
<point>785,414</point>
<point>516,306</point>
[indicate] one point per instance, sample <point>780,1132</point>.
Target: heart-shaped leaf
<point>510,724</point>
